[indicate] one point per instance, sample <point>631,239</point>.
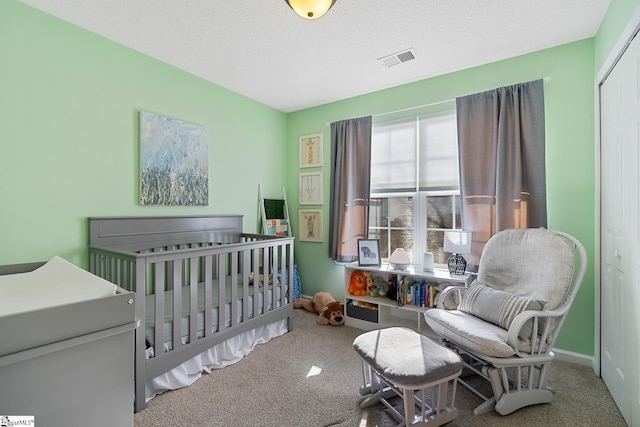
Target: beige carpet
<point>310,377</point>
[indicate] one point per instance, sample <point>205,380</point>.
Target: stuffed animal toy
<point>330,311</point>
<point>260,279</point>
<point>380,287</point>
<point>360,283</point>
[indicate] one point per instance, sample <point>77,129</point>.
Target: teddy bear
<point>330,311</point>
<point>360,283</point>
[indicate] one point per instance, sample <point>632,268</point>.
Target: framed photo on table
<point>310,150</point>
<point>369,252</point>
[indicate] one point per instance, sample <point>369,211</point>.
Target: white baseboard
<point>571,357</point>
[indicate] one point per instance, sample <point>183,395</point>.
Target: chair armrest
<point>540,318</point>
<point>456,290</point>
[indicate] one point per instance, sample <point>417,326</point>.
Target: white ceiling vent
<point>398,58</point>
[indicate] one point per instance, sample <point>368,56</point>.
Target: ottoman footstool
<point>399,361</point>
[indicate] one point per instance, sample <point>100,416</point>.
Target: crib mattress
<point>184,326</point>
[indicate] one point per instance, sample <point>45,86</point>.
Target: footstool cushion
<point>405,357</point>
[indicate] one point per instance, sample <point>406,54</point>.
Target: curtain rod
<point>433,104</point>
<point>408,109</point>
<point>546,79</point>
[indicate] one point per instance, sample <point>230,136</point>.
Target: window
<point>415,189</point>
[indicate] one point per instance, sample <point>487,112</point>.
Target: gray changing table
<point>69,365</point>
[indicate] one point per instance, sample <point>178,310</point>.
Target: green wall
<point>616,19</point>
<point>569,106</point>
<point>69,105</point>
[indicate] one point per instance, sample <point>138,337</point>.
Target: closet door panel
<point>620,231</point>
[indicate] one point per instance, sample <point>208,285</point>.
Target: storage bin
<point>361,313</point>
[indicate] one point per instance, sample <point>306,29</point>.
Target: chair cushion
<point>533,263</point>
<point>403,356</point>
<point>498,307</point>
<point>472,333</point>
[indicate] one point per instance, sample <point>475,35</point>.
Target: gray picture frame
<point>369,252</point>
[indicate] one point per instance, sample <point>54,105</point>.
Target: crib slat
<point>263,299</point>
<point>193,299</point>
<point>208,278</point>
<point>277,280</point>
<point>222,289</point>
<point>112,272</point>
<point>246,269</point>
<point>289,265</point>
<point>233,305</point>
<point>158,292</point>
<point>176,284</point>
<point>255,264</point>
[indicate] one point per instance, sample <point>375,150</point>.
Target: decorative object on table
<point>310,9</point>
<point>310,188</point>
<point>458,243</point>
<point>369,252</point>
<point>427,263</point>
<point>310,225</point>
<point>174,162</point>
<point>360,283</point>
<point>310,148</point>
<point>330,311</point>
<point>399,259</point>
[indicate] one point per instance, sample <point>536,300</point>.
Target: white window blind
<point>415,155</point>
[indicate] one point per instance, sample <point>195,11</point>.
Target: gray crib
<point>198,280</point>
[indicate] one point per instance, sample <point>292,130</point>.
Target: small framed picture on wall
<point>310,188</point>
<point>310,225</point>
<point>311,150</point>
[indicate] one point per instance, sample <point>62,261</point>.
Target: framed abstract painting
<point>174,162</point>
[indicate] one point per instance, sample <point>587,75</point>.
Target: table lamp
<point>457,242</point>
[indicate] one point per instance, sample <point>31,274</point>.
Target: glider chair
<point>507,320</point>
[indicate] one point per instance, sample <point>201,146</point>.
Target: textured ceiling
<point>263,50</point>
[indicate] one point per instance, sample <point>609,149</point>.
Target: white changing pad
<point>57,282</point>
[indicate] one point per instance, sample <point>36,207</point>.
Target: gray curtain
<point>350,183</point>
<point>501,142</point>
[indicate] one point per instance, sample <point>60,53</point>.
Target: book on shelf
<point>418,293</point>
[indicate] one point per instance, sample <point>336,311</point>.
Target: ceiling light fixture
<point>310,9</point>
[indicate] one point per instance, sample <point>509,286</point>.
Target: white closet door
<point>620,232</point>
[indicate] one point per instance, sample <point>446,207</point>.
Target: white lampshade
<point>457,242</point>
<point>311,9</point>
